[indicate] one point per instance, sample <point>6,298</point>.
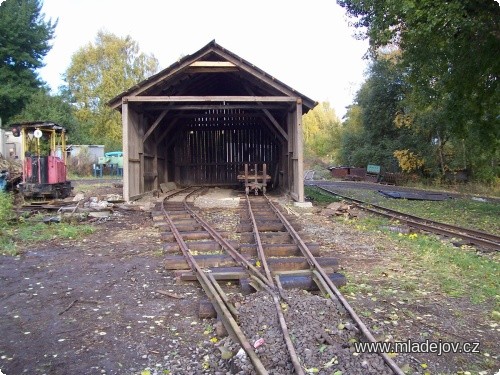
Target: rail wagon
<point>44,160</point>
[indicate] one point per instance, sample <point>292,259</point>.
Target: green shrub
<point>5,208</point>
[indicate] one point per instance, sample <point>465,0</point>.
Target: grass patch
<point>15,237</point>
<point>457,272</point>
<point>471,188</point>
<point>7,245</point>
<point>34,232</point>
<point>86,188</point>
<point>317,196</point>
<point>356,287</point>
<point>75,177</point>
<point>6,200</point>
<point>15,234</point>
<point>463,212</point>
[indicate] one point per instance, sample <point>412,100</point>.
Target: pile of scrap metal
<point>11,173</point>
<point>76,209</point>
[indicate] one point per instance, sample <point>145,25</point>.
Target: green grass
<point>73,176</point>
<point>318,196</point>
<point>16,233</point>
<point>457,272</point>
<point>463,212</point>
<point>470,188</point>
<point>5,208</point>
<point>15,237</point>
<point>86,188</point>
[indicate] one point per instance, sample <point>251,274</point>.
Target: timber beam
<point>235,99</point>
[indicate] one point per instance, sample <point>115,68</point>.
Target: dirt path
<point>92,305</point>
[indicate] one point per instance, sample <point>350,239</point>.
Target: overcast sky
<point>307,45</point>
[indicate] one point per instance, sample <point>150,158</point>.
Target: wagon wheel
<point>256,191</point>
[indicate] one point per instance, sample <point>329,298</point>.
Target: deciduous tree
<point>322,132</point>
<point>43,106</point>
<point>98,72</point>
<point>449,55</point>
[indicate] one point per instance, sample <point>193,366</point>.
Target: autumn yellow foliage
<point>408,161</point>
<point>403,121</point>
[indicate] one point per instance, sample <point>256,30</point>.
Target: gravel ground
<point>122,324</point>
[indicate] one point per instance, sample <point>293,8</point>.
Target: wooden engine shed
<point>200,120</point>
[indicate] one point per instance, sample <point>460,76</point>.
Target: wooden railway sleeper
<point>224,313</point>
<point>229,248</point>
<point>366,332</point>
<point>256,282</point>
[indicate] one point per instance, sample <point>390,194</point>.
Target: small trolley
<point>255,179</point>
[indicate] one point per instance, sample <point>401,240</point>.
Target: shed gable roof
<point>212,71</point>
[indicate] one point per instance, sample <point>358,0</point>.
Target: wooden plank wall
<point>150,170</point>
<point>132,150</point>
<point>214,150</point>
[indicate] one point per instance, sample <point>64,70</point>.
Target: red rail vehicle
<point>43,146</point>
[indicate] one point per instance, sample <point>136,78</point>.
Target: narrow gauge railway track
<point>485,241</point>
<point>265,275</point>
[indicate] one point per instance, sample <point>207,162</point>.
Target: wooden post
<point>140,133</point>
<point>264,181</point>
<point>246,177</point>
<point>299,178</point>
<point>291,142</point>
<point>156,183</point>
<point>256,174</point>
<point>126,153</point>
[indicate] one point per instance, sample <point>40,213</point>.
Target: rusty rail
<point>276,299</point>
<point>208,285</point>
<point>228,247</point>
<point>486,241</point>
<point>261,282</point>
<point>334,290</point>
<point>260,249</point>
<point>265,283</point>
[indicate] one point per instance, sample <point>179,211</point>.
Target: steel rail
<point>260,249</point>
<point>214,296</point>
<point>265,283</point>
<point>229,248</point>
<point>315,265</point>
<point>482,239</point>
<point>288,341</point>
<point>256,275</point>
<point>176,192</point>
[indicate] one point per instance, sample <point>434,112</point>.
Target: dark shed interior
<point>201,119</point>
